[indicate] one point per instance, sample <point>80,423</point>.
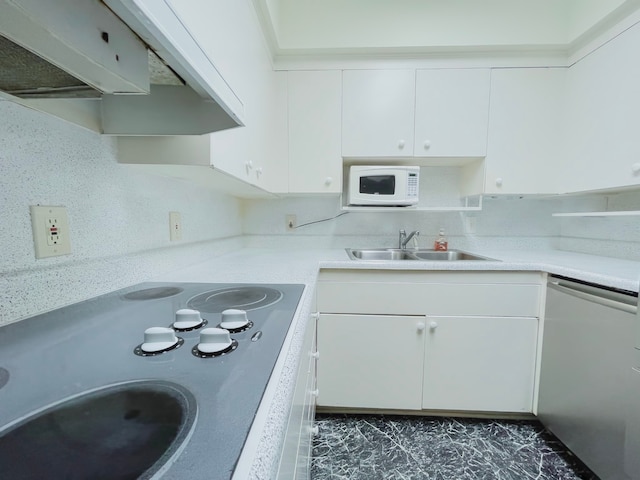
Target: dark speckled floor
<point>373,447</point>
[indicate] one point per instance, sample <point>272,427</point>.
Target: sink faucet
<point>404,239</point>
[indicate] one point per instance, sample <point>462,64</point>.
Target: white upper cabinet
<point>452,112</point>
<point>314,119</point>
<point>378,113</point>
<point>409,113</point>
<point>603,104</point>
<point>526,131</point>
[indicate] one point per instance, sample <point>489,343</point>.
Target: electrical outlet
<point>175,227</point>
<point>291,221</point>
<point>50,226</point>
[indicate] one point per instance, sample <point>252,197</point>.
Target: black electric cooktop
<point>85,347</point>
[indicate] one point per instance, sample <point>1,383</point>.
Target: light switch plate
<point>50,226</point>
<point>175,227</point>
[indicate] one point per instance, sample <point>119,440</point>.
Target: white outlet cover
<point>50,226</point>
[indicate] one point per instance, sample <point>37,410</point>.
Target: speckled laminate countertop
<point>261,454</point>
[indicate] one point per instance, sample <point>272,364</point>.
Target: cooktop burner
<point>153,293</point>
<point>243,298</point>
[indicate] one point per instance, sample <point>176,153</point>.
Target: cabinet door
<point>370,361</point>
<point>603,116</point>
<point>296,451</point>
<point>315,108</point>
<point>480,363</point>
<point>378,113</point>
<point>452,112</point>
<point>526,131</point>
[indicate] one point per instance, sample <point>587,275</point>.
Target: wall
<point>512,223</point>
<point>119,217</point>
<point>614,236</point>
<point>427,24</point>
<point>418,23</point>
<point>505,222</point>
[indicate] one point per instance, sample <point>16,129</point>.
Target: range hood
<point>120,67</point>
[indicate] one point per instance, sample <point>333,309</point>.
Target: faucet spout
<point>403,238</point>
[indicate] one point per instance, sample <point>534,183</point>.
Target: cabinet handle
<point>314,430</point>
<point>315,354</point>
<point>401,144</point>
<point>427,144</point>
<point>635,168</point>
<point>499,182</point>
<point>328,181</point>
<point>315,392</point>
<point>420,326</point>
<point>433,325</point>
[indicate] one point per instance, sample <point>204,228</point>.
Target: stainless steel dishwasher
<point>586,376</point>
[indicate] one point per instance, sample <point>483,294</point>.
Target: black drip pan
<point>124,431</point>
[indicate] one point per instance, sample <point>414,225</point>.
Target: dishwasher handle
<point>592,296</point>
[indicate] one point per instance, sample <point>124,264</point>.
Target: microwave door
<point>378,185</point>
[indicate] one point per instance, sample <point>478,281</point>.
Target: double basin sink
<point>412,254</point>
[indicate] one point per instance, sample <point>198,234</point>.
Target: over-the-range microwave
<point>383,185</point>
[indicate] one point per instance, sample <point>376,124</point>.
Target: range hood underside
<point>100,74</point>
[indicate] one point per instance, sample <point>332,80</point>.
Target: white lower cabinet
<point>480,363</point>
<point>371,361</point>
<point>295,461</point>
<point>461,341</point>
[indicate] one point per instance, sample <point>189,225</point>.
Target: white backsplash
<point>511,222</point>
<point>119,217</point>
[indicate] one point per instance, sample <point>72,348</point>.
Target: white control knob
<point>314,430</point>
<point>427,144</point>
<point>328,181</point>
<point>315,392</point>
<point>315,355</point>
<point>315,315</point>
<point>433,325</point>
<point>420,326</point>
<point>401,144</point>
<point>157,339</point>
<point>248,164</point>
<point>258,171</point>
<point>635,168</point>
<point>499,182</point>
<point>233,319</point>
<point>213,340</point>
<point>187,319</point>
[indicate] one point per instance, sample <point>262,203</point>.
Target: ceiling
<point>326,27</point>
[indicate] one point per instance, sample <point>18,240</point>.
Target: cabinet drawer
<point>509,300</point>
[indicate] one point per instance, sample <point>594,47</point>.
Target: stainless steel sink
<point>386,254</point>
<point>379,254</point>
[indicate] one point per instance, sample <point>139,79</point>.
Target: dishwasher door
<point>585,376</point>
<point>632,442</point>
